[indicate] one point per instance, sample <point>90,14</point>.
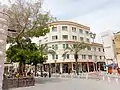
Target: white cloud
<point>4,1</point>
<point>100,15</point>
<point>102,20</point>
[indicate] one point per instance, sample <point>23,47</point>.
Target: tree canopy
<point>28,19</point>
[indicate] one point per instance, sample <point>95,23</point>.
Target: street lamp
<point>3,36</point>
<point>92,36</point>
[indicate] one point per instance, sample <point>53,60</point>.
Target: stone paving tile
<point>74,84</point>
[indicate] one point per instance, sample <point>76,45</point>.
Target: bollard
<point>60,75</point>
<point>103,78</point>
<point>108,79</point>
<point>117,80</point>
<point>87,76</point>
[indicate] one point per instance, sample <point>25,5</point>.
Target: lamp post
<point>92,36</point>
<point>55,66</point>
<point>3,37</point>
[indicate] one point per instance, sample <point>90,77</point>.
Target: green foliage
<point>20,52</point>
<point>40,26</point>
<point>77,47</point>
<point>27,51</point>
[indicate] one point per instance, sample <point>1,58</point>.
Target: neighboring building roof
<point>69,23</point>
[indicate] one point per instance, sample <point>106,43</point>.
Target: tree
<point>28,19</point>
<point>75,48</point>
<point>36,58</point>
<point>44,50</point>
<point>43,55</point>
<point>21,54</point>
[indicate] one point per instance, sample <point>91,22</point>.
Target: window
<point>103,50</point>
<point>104,57</point>
<point>95,57</point>
<point>100,57</point>
<point>65,37</point>
<point>52,46</point>
<point>54,37</point>
<point>89,48</point>
<point>64,28</point>
<point>80,30</point>
<point>83,56</point>
<point>67,56</point>
<point>56,56</point>
<point>65,45</point>
<point>99,49</point>
<point>74,37</point>
<point>73,29</point>
<point>53,56</point>
<point>90,57</point>
<point>94,48</point>
<point>88,40</point>
<point>81,39</point>
<point>54,29</point>
<point>56,46</point>
<point>87,32</point>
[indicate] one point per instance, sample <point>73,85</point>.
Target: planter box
<point>15,82</point>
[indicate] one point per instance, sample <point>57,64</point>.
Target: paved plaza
<point>71,84</point>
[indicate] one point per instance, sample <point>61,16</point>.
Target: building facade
<point>107,40</point>
<point>117,47</point>
<point>63,34</point>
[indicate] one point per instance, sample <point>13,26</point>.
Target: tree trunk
<point>55,66</point>
<point>35,69</point>
<point>49,70</point>
<point>76,62</point>
<point>20,68</point>
<point>77,70</point>
<point>41,70</point>
<point>23,66</point>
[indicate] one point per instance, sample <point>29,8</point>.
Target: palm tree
<point>52,52</point>
<point>75,48</point>
<point>43,51</point>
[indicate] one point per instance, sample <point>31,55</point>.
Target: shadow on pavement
<point>40,80</point>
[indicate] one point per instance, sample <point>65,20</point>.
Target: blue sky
<point>100,15</point>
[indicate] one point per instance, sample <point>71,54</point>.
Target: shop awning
<point>111,65</point>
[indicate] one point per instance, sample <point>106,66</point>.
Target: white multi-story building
<point>108,44</point>
<point>65,33</point>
